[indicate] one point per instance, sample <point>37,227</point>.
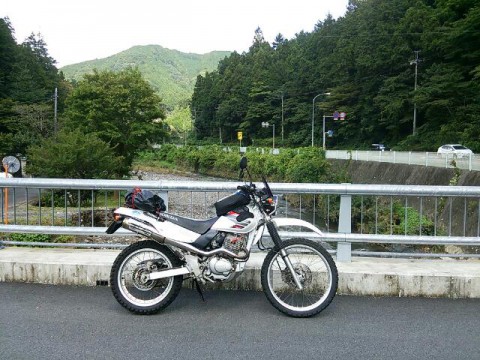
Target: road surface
<point>62,322</point>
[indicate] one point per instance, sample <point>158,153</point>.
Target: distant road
<point>61,322</point>
<point>406,157</point>
<point>19,197</point>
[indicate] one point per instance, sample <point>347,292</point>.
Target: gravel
<point>187,204</point>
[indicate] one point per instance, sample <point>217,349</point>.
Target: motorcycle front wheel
<point>130,285</point>
<point>315,270</point>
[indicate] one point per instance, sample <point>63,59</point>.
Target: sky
<point>77,31</point>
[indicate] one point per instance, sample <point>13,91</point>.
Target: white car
<point>455,150</point>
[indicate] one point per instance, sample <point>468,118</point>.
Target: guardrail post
<point>344,249</point>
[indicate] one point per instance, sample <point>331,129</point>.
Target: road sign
<point>239,135</point>
<point>336,115</point>
<point>343,115</point>
<point>330,133</point>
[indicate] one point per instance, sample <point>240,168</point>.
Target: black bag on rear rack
<point>144,200</point>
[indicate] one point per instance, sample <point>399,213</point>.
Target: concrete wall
<point>363,172</point>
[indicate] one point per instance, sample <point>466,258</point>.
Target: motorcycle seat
<point>197,226</point>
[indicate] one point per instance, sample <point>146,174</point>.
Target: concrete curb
<point>363,276</point>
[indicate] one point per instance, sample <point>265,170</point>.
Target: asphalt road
<point>62,322</point>
<point>20,196</point>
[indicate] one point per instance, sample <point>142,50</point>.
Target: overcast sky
<point>77,31</point>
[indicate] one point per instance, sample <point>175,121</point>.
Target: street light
<point>415,62</point>
<point>313,115</point>
<point>266,125</point>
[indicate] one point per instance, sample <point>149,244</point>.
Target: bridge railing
<point>369,220</point>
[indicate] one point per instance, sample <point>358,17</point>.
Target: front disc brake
<point>303,272</point>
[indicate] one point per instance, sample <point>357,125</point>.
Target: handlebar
<point>252,189</point>
<point>247,188</point>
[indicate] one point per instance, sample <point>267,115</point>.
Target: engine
<point>236,243</point>
<point>218,268</point>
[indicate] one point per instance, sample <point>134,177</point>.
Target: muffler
<point>141,229</point>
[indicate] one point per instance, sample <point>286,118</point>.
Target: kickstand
<point>199,289</point>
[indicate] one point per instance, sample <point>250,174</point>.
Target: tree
<point>180,123</point>
<point>363,60</point>
<point>74,155</point>
<point>279,41</point>
<point>35,73</point>
<point>28,78</point>
<point>8,48</point>
<point>121,108</point>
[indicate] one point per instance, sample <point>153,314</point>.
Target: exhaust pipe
<point>168,273</point>
<point>140,228</point>
<point>192,249</point>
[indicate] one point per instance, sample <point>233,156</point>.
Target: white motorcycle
<point>298,276</point>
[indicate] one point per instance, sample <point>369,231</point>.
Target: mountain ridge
<point>171,73</point>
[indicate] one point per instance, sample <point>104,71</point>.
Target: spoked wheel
<point>315,270</point>
<point>129,277</point>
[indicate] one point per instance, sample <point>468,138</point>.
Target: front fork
<point>272,230</point>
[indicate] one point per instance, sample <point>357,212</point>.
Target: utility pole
<point>282,120</point>
<point>194,124</point>
<point>415,62</point>
<point>55,97</point>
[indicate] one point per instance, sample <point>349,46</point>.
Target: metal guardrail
<point>448,161</point>
<point>347,213</point>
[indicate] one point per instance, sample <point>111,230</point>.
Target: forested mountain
<point>366,60</point>
<point>90,128</point>
<point>28,78</point>
<point>170,72</point>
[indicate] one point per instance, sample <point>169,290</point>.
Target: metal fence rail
<point>349,214</point>
<point>469,162</point>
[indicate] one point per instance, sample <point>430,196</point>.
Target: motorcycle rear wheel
<point>314,268</point>
<point>128,282</point>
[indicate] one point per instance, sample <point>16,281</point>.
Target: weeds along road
<point>59,322</point>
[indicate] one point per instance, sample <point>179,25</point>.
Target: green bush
<point>74,155</point>
<point>308,166</point>
<point>30,237</point>
<point>207,157</point>
<point>227,164</point>
<point>64,239</point>
<point>291,165</point>
<point>411,225</point>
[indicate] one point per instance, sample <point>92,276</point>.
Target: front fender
<point>279,222</point>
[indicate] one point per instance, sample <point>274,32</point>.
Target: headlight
<point>270,204</point>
